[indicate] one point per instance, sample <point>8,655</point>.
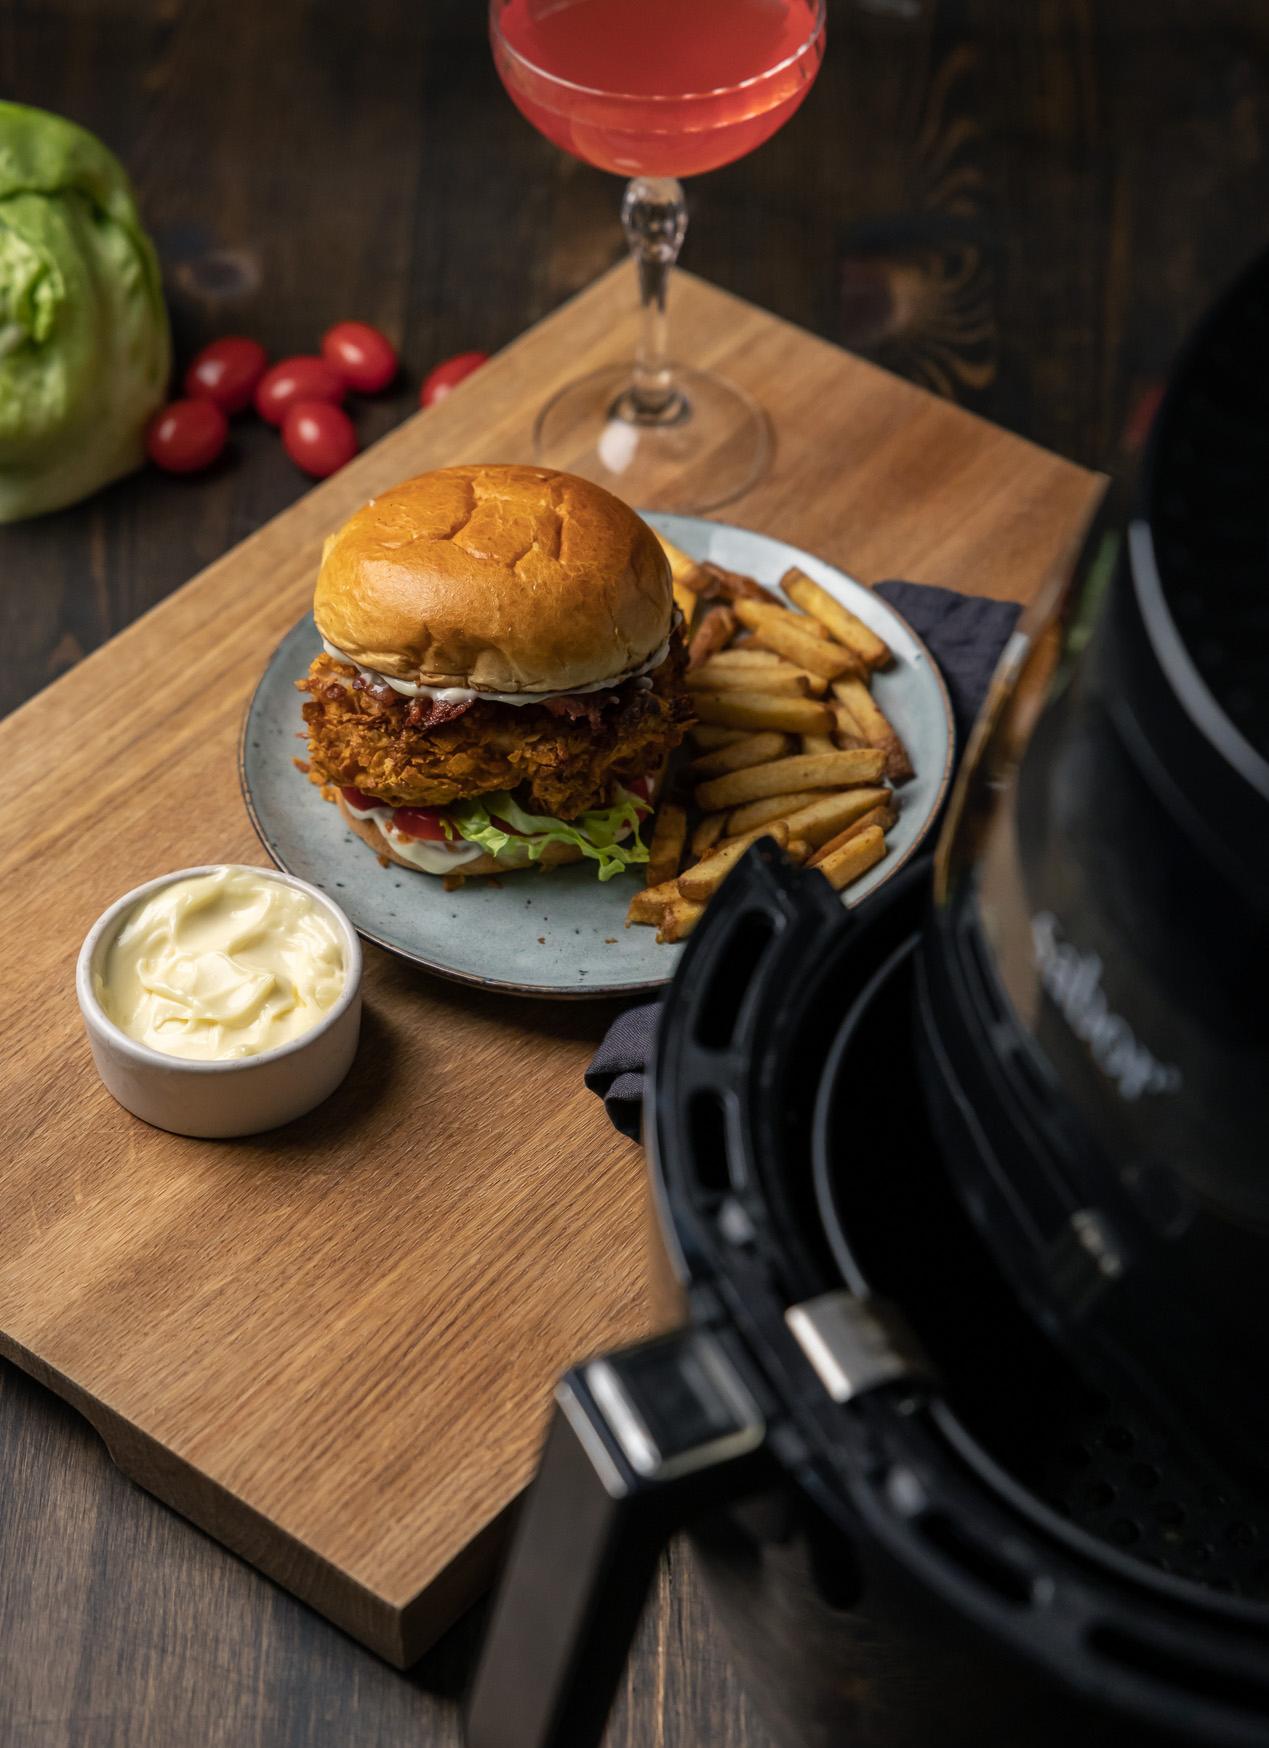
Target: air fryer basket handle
<point>638,1441</point>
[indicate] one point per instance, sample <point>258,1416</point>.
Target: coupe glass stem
<point>654,214</point>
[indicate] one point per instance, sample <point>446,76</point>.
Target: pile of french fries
<point>789,742</point>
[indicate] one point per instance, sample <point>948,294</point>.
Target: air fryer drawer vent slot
<point>983,1564</point>
<point>731,974</point>
<point>1170,1664</point>
<point>707,1127</point>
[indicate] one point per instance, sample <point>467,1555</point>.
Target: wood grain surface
<point>333,1347</point>
<point>1022,207</point>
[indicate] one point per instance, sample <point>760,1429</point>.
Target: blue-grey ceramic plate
<point>560,933</point>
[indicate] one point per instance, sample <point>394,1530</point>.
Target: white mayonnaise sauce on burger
<point>429,854</point>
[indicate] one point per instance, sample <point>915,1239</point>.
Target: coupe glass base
<point>712,445</point>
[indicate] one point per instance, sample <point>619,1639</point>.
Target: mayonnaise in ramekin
<point>221,965</point>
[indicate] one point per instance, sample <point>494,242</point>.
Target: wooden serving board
<point>333,1347</point>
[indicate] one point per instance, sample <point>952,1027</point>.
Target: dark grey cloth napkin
<point>965,635</point>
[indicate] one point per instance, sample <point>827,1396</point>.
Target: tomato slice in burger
<point>361,801</point>
<point>420,822</point>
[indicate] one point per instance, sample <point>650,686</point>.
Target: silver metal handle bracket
<point>855,1345</point>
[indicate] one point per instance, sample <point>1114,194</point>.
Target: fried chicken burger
<point>502,676</point>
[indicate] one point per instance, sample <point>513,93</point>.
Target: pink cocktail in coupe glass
<point>656,90</point>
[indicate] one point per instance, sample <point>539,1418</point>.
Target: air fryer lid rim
<point>1191,691</point>
<point>1203,403</point>
<point>1077,1203</point>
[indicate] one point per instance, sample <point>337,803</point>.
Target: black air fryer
<point>964,1200</point>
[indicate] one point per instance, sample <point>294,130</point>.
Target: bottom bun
<point>509,862</point>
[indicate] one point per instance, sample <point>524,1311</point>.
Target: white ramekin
<point>217,1099</point>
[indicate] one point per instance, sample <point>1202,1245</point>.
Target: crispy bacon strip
<point>428,713</point>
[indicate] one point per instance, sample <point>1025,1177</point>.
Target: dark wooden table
<point>1019,206</point>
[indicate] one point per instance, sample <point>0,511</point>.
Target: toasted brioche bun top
<point>505,579</point>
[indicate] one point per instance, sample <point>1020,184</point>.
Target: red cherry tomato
<point>361,355</point>
<point>186,436</point>
<point>448,374</point>
<point>318,437</point>
<point>296,379</point>
<point>419,822</point>
<point>227,372</point>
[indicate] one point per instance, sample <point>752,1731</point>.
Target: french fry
<point>687,580</point>
<point>712,738</point>
<point>715,630</point>
<point>783,776</point>
<point>854,858</point>
<point>743,819</point>
<point>684,569</point>
<point>787,681</point>
<point>665,852</point>
<point>814,684</point>
<point>707,834</point>
<point>775,675</point>
<point>648,903</point>
<point>761,710</point>
<point>745,657</point>
<point>754,749</point>
<point>688,583</point>
<point>679,918</point>
<point>703,881</point>
<point>818,743</point>
<point>820,820</point>
<point>797,849</point>
<point>732,586</point>
<point>848,732</point>
<point>875,727</point>
<point>883,816</point>
<point>839,621</point>
<point>781,631</point>
<point>806,625</point>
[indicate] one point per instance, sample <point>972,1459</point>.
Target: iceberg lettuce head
<point>85,349</point>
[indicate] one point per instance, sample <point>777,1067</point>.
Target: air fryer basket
<point>1109,1466</point>
<point>853,1191</point>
